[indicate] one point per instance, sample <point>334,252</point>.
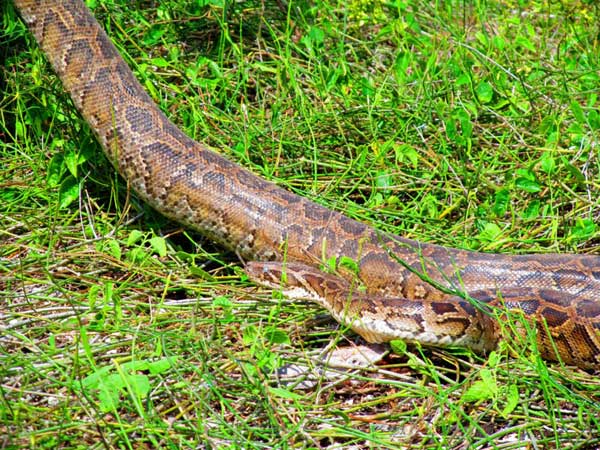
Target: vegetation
<point>469,124</point>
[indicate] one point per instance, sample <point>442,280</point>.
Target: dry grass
<point>469,125</point>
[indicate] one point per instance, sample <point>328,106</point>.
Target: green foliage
<point>469,124</point>
<point>502,395</point>
<point>112,385</point>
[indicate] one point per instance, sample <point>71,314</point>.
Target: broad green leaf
<point>68,192</point>
<point>108,397</point>
<point>134,366</point>
<point>55,170</point>
<point>485,92</point>
<point>463,79</point>
<point>532,211</point>
<point>348,263</point>
<point>222,301</point>
<point>484,389</point>
<point>482,38</point>
<point>583,229</point>
<point>527,185</point>
<point>160,62</point>
<point>71,161</point>
<point>490,233</point>
<point>332,263</point>
<point>316,35</point>
<point>162,365</point>
<point>93,294</point>
<point>512,399</point>
<point>465,123</point>
<point>367,87</point>
<point>139,384</point>
<point>398,347</point>
<point>277,336</point>
<point>525,42</point>
<point>499,43</point>
<point>383,179</point>
<point>159,245</point>
<point>594,119</point>
<point>501,202</point>
<point>199,272</point>
<point>249,335</point>
<point>154,35</point>
<point>478,391</point>
<point>547,163</point>
<point>406,151</point>
<point>111,247</point>
<point>284,393</point>
<point>137,255</point>
<point>451,131</point>
<point>487,377</point>
<point>93,380</point>
<point>574,171</point>
<point>493,358</point>
<point>134,237</point>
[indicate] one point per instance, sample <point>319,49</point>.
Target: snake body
<point>195,186</point>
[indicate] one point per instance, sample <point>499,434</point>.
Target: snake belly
<point>187,182</point>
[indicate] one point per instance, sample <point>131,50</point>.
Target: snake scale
<point>407,285</point>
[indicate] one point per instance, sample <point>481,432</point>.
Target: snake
<point>383,286</point>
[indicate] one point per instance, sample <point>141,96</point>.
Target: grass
<point>468,124</point>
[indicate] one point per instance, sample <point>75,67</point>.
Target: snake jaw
<point>379,319</point>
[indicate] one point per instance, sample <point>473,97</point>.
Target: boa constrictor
<point>411,290</point>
